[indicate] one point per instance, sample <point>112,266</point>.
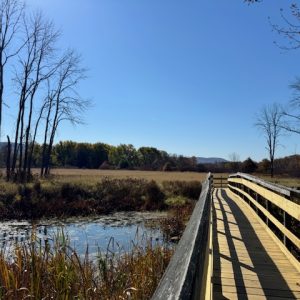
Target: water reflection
<point>93,232</point>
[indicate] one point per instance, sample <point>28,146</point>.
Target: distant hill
<point>210,160</point>
<point>3,145</point>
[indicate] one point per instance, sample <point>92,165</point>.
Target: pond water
<point>117,231</point>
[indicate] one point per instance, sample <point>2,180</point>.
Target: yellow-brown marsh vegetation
<point>57,272</point>
<point>88,175</point>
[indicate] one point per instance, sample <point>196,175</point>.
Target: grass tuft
<point>58,272</point>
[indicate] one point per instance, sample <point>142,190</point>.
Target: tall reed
<point>36,271</point>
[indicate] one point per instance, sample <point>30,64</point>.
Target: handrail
<point>186,274</point>
<point>275,205</point>
<point>284,190</point>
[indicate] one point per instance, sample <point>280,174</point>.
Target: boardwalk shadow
<point>260,270</point>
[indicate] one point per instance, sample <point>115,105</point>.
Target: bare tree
<point>234,159</point>
<point>65,104</point>
<point>45,86</point>
<point>270,122</point>
<point>11,12</point>
<point>290,30</point>
<point>36,66</point>
<point>44,69</point>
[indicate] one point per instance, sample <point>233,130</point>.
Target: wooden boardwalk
<point>247,263</point>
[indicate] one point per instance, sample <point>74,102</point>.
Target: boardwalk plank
<point>248,264</point>
<point>235,296</point>
<point>269,283</point>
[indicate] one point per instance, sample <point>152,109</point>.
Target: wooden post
<point>267,208</point>
<point>248,192</point>
<point>284,223</point>
<point>256,199</point>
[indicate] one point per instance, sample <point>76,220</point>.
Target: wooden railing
<point>277,206</point>
<point>220,181</point>
<point>189,272</point>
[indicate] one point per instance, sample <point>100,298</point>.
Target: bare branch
<point>11,12</point>
<point>290,29</point>
<point>68,105</point>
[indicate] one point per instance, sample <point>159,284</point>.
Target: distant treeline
<point>289,165</point>
<point>103,156</point>
<point>69,154</point>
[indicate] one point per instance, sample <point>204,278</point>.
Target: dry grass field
<point>92,176</point>
<point>282,180</point>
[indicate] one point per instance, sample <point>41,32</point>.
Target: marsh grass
<point>55,270</point>
<point>180,210</point>
<point>90,176</point>
<point>56,199</point>
<point>42,272</point>
<point>288,181</point>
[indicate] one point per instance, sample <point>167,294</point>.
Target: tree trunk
<point>26,154</point>
<point>8,159</point>
<point>272,168</point>
<point>50,146</point>
<point>45,141</point>
<point>27,136</point>
<point>33,142</point>
<point>1,94</point>
<point>15,155</point>
<point>21,145</point>
<point>21,109</point>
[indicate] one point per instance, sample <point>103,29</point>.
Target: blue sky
<point>187,77</point>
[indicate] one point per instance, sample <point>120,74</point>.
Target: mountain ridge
<point>210,160</point>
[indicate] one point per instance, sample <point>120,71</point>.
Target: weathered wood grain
<point>186,275</point>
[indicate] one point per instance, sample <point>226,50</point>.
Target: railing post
<point>265,197</point>
<point>256,199</point>
<point>248,192</point>
<point>267,208</point>
<point>284,224</point>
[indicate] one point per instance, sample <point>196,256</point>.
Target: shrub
<point>37,187</point>
<point>177,201</point>
<point>174,224</point>
<point>188,189</point>
<point>71,192</point>
<point>120,194</point>
<point>110,194</point>
<point>154,197</point>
